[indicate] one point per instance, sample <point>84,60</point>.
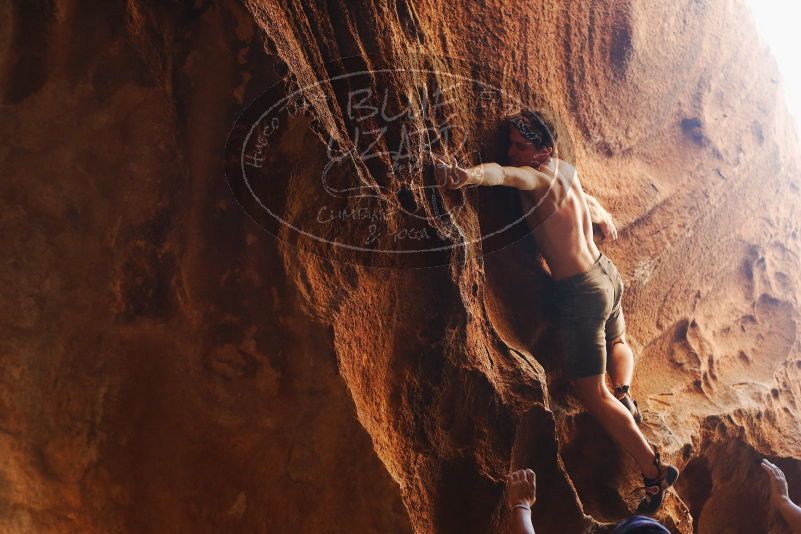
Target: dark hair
<point>639,524</point>
<point>535,128</point>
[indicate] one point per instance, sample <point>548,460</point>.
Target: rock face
<point>168,365</point>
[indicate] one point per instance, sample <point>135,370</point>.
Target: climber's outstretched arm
<point>526,178</point>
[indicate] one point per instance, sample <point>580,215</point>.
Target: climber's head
<point>531,140</point>
<point>640,524</point>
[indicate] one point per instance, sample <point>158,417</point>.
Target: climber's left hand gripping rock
<point>448,173</point>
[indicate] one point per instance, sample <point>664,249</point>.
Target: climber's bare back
<point>563,233</point>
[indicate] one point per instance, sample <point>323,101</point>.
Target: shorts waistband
<point>577,278</point>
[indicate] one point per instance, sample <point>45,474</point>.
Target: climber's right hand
<point>607,226</point>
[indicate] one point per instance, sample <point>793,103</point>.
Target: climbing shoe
<point>655,487</point>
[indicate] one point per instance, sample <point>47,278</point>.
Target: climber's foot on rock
<point>622,394</point>
<point>655,488</point>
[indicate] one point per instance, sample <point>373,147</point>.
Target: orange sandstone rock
<point>169,365</point>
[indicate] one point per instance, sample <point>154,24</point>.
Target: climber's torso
<point>563,232</point>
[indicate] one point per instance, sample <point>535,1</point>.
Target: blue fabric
<point>640,524</point>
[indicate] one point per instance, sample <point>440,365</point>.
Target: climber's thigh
<point>584,346</point>
<point>616,323</point>
<point>583,304</point>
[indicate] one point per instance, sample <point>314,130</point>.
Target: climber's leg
<point>620,361</point>
<point>616,420</point>
<point>620,365</point>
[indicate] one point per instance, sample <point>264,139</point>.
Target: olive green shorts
<point>588,316</point>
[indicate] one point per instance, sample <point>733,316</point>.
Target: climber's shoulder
<point>565,171</point>
<point>562,180</point>
<point>553,180</point>
<point>526,178</point>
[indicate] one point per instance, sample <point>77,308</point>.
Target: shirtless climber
<point>588,287</point>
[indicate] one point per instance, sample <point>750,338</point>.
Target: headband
<point>526,131</point>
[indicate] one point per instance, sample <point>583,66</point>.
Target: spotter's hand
<point>778,483</point>
<point>522,487</point>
